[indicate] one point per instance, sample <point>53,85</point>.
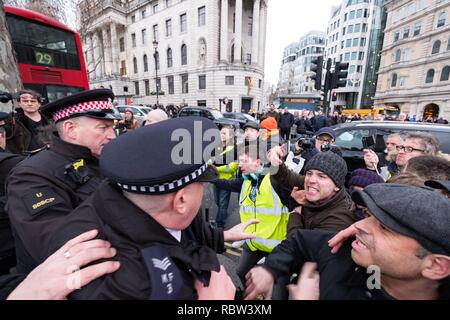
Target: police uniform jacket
<point>154,265</point>
<point>340,277</point>
<point>41,190</point>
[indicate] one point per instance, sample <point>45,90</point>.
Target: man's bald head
<point>155,116</point>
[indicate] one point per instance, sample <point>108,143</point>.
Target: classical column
<point>96,62</point>
<point>224,31</point>
<point>88,55</point>
<point>238,32</point>
<point>105,50</point>
<point>262,34</point>
<point>114,51</point>
<point>255,32</point>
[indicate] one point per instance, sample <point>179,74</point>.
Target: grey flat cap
<point>418,213</point>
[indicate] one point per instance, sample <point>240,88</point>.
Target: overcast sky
<point>288,20</point>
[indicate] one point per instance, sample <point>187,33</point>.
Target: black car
<point>349,136</point>
<point>214,115</point>
<point>240,117</point>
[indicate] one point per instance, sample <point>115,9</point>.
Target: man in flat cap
<point>7,162</point>
<point>46,187</point>
<point>147,209</point>
<point>401,250</point>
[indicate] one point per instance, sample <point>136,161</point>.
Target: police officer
<point>7,162</point>
<point>147,209</point>
<point>46,187</point>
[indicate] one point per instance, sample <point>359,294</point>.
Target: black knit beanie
<point>331,164</point>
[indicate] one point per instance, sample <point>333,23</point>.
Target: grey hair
<point>428,141</point>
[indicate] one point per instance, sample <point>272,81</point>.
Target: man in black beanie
<point>325,204</point>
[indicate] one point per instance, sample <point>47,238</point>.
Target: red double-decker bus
<point>49,54</point>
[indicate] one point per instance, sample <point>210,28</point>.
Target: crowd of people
<point>91,212</point>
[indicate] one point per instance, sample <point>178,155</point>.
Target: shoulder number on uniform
<point>37,200</point>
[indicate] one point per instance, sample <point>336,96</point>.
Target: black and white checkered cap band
<point>167,187</point>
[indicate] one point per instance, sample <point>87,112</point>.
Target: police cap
<point>92,103</point>
<point>161,158</point>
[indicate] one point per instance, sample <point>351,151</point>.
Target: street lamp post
<point>155,55</point>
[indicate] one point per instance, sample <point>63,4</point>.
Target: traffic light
<point>316,67</point>
<point>334,96</point>
<point>340,75</point>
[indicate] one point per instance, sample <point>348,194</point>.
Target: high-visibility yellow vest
<point>228,171</point>
<point>269,210</point>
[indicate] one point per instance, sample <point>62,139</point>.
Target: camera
<point>5,97</point>
<point>301,145</point>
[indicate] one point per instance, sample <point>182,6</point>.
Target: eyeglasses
<point>324,140</point>
<point>408,149</point>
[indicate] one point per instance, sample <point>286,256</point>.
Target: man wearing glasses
<point>30,131</point>
<point>411,145</point>
<point>416,144</point>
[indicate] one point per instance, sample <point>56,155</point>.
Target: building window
<point>398,55</point>
<point>250,26</point>
<point>169,58</point>
<point>364,27</point>
<point>155,32</point>
<point>156,55</point>
<point>158,84</point>
<point>363,42</point>
<point>155,8</point>
<point>347,56</point>
<point>355,42</point>
<point>202,82</point>
<point>445,73</point>
<point>201,16</point>
<point>183,54</point>
<point>441,19</point>
<point>352,15</point>
<point>170,84</point>
<point>133,18</point>
<point>249,58</point>
<point>402,81</point>
<point>183,23</point>
<point>396,36</point>
<point>136,88</point>
<point>133,40</point>
<point>168,28</point>
<point>123,68</point>
<point>345,17</point>
<point>407,54</point>
<point>436,47</point>
<point>361,56</point>
<point>145,63</point>
<point>350,29</point>
<point>125,89</point>
<point>260,84</point>
<point>448,44</point>
<point>184,83</point>
<point>348,43</point>
<point>201,103</point>
<point>147,87</point>
<point>135,66</point>
<point>359,13</point>
<point>417,28</point>
<point>406,33</point>
<point>143,14</point>
<point>394,80</point>
<point>430,76</point>
<point>354,56</point>
<point>229,80</point>
<point>122,44</point>
<point>143,32</point>
<point>358,27</point>
<point>234,22</point>
<point>168,3</point>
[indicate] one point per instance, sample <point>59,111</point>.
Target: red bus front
<point>49,54</point>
